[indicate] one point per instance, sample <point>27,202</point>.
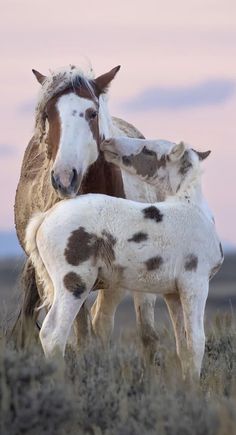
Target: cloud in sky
<point>7,150</point>
<point>210,92</point>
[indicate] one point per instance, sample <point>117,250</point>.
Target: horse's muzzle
<point>72,186</point>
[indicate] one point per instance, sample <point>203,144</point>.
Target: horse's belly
<point>149,282</point>
<point>141,279</point>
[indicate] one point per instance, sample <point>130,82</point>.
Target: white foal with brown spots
<point>169,248</point>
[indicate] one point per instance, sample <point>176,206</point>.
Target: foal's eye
<point>148,152</point>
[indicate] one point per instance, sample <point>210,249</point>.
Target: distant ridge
<point>9,245</point>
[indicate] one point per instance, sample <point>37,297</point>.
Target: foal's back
<point>142,244</point>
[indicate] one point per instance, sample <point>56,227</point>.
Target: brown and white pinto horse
<point>62,160</point>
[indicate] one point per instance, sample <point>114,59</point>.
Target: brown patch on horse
<point>73,282</point>
<point>185,163</point>
<point>152,212</point>
<point>82,246</point>
<point>138,237</point>
<point>145,163</point>
<point>54,131</point>
<point>191,263</point>
<point>103,177</point>
<point>154,263</point>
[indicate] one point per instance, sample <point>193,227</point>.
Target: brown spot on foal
<point>152,212</point>
<point>138,237</point>
<point>185,164</point>
<point>74,284</point>
<point>82,246</point>
<point>191,263</point>
<point>145,163</point>
<point>154,263</point>
<point>79,247</point>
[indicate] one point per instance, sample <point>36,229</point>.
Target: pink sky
<point>162,45</point>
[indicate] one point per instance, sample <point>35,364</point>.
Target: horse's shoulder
<point>127,128</point>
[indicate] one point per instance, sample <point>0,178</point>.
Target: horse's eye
<point>93,114</point>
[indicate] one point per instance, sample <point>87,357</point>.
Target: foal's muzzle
<point>72,186</point>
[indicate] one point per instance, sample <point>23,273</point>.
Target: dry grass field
<point>111,392</point>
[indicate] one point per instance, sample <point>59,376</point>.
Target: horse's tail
<point>24,327</point>
<point>31,233</point>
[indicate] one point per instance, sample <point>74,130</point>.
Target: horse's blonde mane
<point>56,82</point>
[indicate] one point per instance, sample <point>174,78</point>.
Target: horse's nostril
<point>74,177</point>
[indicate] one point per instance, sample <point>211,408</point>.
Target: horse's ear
<point>103,82</point>
<point>40,77</point>
<point>177,151</point>
<point>202,155</point>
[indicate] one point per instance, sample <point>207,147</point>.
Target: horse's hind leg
<point>103,312</point>
<point>193,296</point>
<point>57,323</point>
<point>145,307</point>
<point>70,292</point>
<point>175,309</point>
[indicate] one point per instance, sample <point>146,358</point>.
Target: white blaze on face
<point>77,147</point>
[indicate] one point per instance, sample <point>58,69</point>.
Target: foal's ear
<point>177,152</point>
<point>202,155</point>
<point>103,82</point>
<point>40,77</point>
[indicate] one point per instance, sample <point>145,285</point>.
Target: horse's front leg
<point>83,327</point>
<point>103,312</point>
<point>145,308</point>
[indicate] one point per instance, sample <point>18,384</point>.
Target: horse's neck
<point>192,193</point>
<point>137,190</point>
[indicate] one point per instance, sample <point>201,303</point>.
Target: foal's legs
<point>144,307</point>
<point>83,327</point>
<point>57,323</point>
<point>193,295</point>
<point>103,312</point>
<point>68,298</point>
<point>175,309</point>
